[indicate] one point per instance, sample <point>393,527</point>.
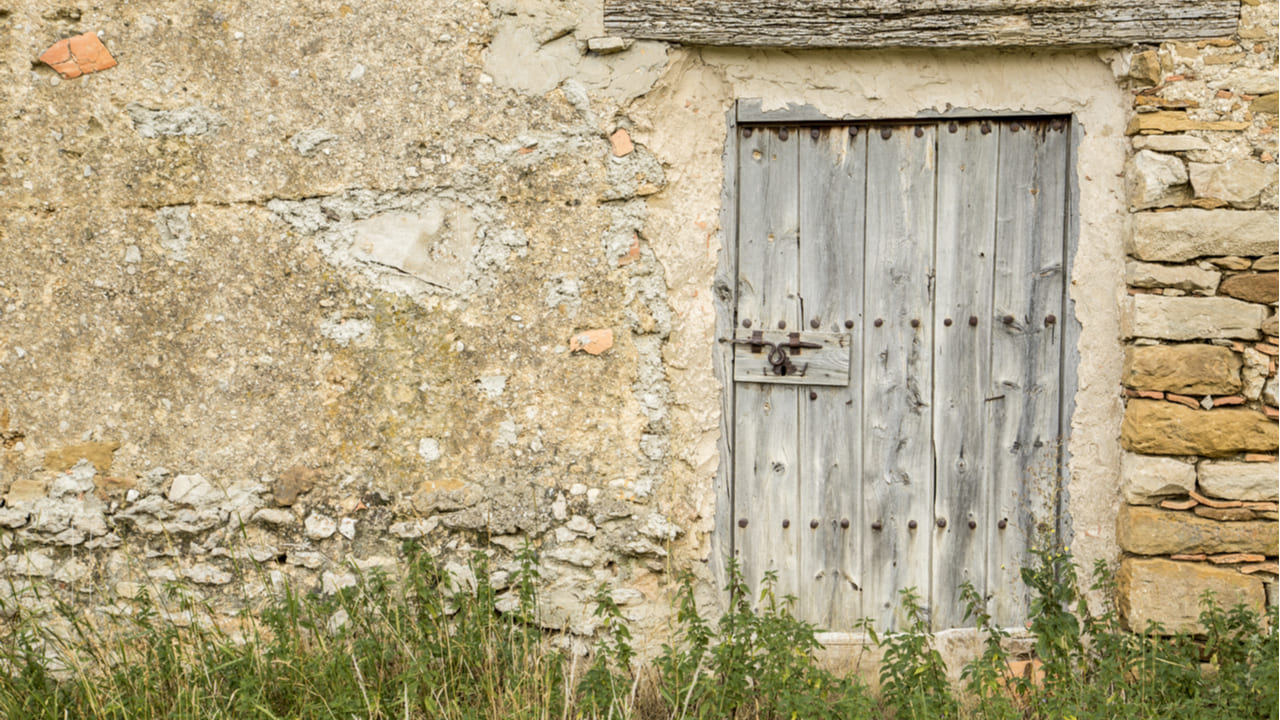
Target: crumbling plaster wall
<point>295,282</point>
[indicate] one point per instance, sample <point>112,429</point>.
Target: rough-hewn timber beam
<point>920,23</point>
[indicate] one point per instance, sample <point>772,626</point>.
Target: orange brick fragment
<point>76,56</point>
<point>1259,457</point>
<point>592,342</point>
<point>1184,399</point>
<point>1228,400</point>
<point>1153,394</point>
<point>1198,557</point>
<point>1178,504</point>
<point>632,255</point>
<point>1232,558</point>
<point>1268,348</point>
<point>621,141</point>
<point>1270,567</point>
<point>1263,506</point>
<point>1214,503</point>
<point>1271,412</point>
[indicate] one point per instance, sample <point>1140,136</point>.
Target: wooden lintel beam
<point>920,23</point>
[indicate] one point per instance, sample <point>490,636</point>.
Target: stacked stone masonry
<point>1199,474</point>
<point>285,285</point>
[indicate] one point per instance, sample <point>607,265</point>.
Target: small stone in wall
<point>1157,180</point>
<point>100,454</point>
<point>307,142</point>
<point>429,450</point>
<point>1144,67</point>
<point>592,342</point>
<point>1239,182</point>
<point>347,528</point>
<point>206,574</point>
<point>1259,287</point>
<point>274,516</point>
<point>294,482</point>
<point>320,527</point>
<point>1248,481</point>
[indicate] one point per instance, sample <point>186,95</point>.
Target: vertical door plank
<point>1024,433</point>
<point>897,465</point>
<point>832,198</point>
<point>966,219</point>
<point>766,461</point>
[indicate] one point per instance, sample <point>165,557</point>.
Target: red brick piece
<point>1232,558</point>
<point>76,56</point>
<point>1178,504</point>
<point>1214,503</point>
<point>1196,557</point>
<point>1187,400</point>
<point>1228,400</point>
<point>1270,567</point>
<point>1259,457</point>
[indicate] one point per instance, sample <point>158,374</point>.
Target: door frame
<point>751,112</point>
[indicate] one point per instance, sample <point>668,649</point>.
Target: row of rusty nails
<point>878,526</point>
<point>1057,124</point>
<point>815,323</point>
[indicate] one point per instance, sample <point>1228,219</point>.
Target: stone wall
<point>1199,475</point>
<point>284,285</point>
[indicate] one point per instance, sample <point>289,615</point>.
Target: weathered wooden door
<point>897,361</point>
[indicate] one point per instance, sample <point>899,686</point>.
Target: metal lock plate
<point>791,358</point>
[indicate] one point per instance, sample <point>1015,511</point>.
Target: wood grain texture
<point>921,23</point>
<point>832,208</point>
<point>965,250</point>
<point>766,462</point>
<point>725,300</point>
<point>897,456</point>
<point>1022,418</point>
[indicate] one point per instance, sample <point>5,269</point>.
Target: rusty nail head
<point>915,322</point>
<point>912,525</point>
<point>848,324</point>
<point>986,128</point>
<point>1050,319</point>
<point>876,526</point>
<point>746,132</point>
<point>813,394</point>
<point>973,524</point>
<point>1008,319</point>
<point>879,322</point>
<point>1004,523</point>
<point>942,522</point>
<point>886,133</point>
<point>853,131</point>
<point>815,323</point>
<point>782,324</point>
<point>813,524</point>
<point>973,321</point>
<point>746,323</point>
<point>919,131</point>
<point>1013,126</point>
<point>947,322</point>
<point>844,523</point>
<point>815,133</point>
<point>953,127</point>
<point>786,524</point>
<point>782,133</point>
<point>742,523</point>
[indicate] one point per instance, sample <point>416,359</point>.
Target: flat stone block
<point>1148,479</point>
<point>1190,278</point>
<point>1192,318</point>
<point>1155,427</point>
<point>1192,369</point>
<point>1143,530</point>
<point>1185,234</point>
<point>1144,592</point>
<point>1254,481</point>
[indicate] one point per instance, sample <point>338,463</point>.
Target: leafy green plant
<point>913,676</point>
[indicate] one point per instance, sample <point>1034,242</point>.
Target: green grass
<point>421,647</point>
